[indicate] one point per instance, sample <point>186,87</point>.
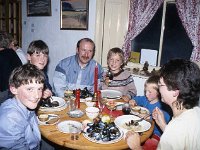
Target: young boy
<point>19,126</point>
<point>37,55</point>
<point>151,100</point>
<point>121,79</point>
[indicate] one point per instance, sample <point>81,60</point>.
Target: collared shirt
<point>19,126</point>
<point>70,76</point>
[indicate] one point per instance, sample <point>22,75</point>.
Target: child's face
<point>38,59</point>
<point>114,63</point>
<point>151,93</point>
<point>28,94</point>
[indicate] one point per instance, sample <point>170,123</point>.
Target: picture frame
<point>74,14</point>
<point>38,8</point>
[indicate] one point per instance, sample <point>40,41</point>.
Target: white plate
<point>69,125</point>
<point>52,109</point>
<point>60,100</point>
<point>121,120</point>
<point>76,113</point>
<point>111,94</point>
<point>51,116</point>
<point>100,141</point>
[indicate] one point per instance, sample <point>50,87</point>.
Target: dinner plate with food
<point>131,122</point>
<point>52,104</point>
<point>103,133</point>
<point>69,126</point>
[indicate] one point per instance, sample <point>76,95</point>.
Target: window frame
<point>163,30</point>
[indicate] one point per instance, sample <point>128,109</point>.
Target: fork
<point>72,125</point>
<point>141,118</point>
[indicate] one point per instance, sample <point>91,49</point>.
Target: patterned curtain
<point>140,14</point>
<point>189,13</point>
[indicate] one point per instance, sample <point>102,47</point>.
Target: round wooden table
<point>51,133</point>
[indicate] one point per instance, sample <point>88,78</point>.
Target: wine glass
<point>111,106</point>
<point>126,109</point>
<point>102,104</point>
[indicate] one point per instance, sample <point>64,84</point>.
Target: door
<point>111,27</point>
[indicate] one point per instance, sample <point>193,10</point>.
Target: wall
<point>62,43</point>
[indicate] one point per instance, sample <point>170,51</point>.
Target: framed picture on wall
<point>38,7</point>
<point>74,14</point>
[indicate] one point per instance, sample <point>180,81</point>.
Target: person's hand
<point>125,98</point>
<point>159,118</point>
<point>132,103</point>
<point>133,140</point>
<point>46,93</point>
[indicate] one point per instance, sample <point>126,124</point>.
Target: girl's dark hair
<point>183,75</point>
<point>26,74</point>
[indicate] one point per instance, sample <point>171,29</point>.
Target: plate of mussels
<point>52,102</point>
<point>103,133</point>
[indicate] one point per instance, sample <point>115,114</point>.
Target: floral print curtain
<point>140,14</point>
<point>189,13</point>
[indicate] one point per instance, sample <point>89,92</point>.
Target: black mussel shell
<point>54,103</point>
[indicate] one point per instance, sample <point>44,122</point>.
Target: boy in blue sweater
<point>151,100</point>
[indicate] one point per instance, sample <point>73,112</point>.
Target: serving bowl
<point>89,102</point>
<point>92,112</point>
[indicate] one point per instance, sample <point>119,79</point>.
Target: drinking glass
<point>68,96</point>
<point>72,105</point>
<point>75,131</point>
<point>126,109</point>
<point>102,104</point>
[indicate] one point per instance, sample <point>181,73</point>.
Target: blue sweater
<point>143,101</point>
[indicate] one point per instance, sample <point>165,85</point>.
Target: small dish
<point>43,117</point>
<point>138,110</point>
<point>76,113</point>
<point>48,119</point>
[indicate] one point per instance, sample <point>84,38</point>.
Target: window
<point>10,18</point>
<point>165,34</point>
